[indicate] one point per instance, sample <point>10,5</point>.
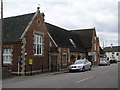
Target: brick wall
<point>16,53</point>
<point>77,55</point>
<point>64,53</point>
<point>38,60</point>
<point>95,48</point>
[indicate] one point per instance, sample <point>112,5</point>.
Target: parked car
<point>113,60</point>
<point>80,65</point>
<point>104,61</point>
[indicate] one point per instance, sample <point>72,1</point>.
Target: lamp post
<point>112,50</point>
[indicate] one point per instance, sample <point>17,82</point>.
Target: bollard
<point>42,68</point>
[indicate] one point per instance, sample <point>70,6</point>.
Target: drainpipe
<point>49,61</point>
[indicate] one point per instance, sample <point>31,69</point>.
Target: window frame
<point>64,59</point>
<point>7,54</point>
<point>95,46</point>
<point>117,54</point>
<point>38,44</point>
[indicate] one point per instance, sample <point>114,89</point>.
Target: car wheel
<point>90,68</point>
<point>83,69</point>
<point>70,70</point>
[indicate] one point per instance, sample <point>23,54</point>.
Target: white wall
<point>109,54</point>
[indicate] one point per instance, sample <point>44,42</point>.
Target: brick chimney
<point>43,16</point>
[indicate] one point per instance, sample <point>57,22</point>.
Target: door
<point>53,63</point>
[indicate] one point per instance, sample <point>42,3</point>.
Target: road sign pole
<point>18,68</point>
<point>30,63</point>
<point>31,69</point>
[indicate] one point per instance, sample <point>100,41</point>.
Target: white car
<point>104,61</point>
<point>113,60</point>
<point>80,65</point>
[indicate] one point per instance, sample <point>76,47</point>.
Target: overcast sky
<point>73,14</point>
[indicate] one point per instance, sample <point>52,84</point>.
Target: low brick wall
<point>6,72</point>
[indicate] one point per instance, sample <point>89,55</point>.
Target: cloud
<point>109,37</point>
<point>72,14</point>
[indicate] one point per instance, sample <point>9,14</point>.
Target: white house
<point>113,52</point>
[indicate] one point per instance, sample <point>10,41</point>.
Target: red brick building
<point>30,44</point>
<point>68,44</point>
<point>90,42</point>
<point>25,40</point>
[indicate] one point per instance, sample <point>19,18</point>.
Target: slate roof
<point>62,36</point>
<point>113,49</point>
<point>13,27</point>
<point>86,36</point>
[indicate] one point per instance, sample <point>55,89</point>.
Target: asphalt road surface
<point>98,77</point>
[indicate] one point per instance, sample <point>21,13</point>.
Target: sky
<point>73,15</point>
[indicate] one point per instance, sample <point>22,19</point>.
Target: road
<point>98,77</point>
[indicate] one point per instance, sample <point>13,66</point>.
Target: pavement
<point>16,78</point>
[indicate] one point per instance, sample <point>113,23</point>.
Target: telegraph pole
<point>1,28</point>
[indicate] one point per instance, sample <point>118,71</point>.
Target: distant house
<point>113,52</point>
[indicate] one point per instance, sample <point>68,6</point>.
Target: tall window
<point>95,46</point>
<point>7,56</point>
<point>64,57</point>
<point>38,44</point>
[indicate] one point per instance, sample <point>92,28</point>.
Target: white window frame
<point>38,44</point>
<point>7,56</point>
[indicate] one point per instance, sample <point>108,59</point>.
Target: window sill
<point>7,63</point>
<point>39,55</point>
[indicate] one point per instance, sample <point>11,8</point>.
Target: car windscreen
<point>79,62</point>
<point>103,60</point>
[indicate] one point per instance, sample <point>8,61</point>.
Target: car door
<point>87,64</point>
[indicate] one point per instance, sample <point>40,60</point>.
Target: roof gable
<point>13,27</point>
<point>101,50</point>
<point>59,35</point>
<point>62,38</point>
<point>86,36</point>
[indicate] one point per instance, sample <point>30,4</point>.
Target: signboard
<point>30,61</point>
<point>91,53</point>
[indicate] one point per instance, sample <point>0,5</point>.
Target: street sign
<point>30,61</point>
<point>91,53</point>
